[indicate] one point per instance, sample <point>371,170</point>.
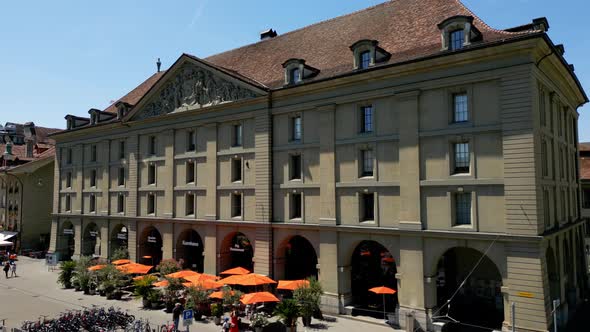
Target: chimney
<point>30,137</point>
<point>268,34</point>
<point>159,64</point>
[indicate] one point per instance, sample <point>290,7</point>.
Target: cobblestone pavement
<point>35,293</point>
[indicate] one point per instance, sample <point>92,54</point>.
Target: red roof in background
<point>584,146</point>
<point>585,168</point>
<point>405,28</point>
<point>135,95</point>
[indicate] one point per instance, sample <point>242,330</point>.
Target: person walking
<point>13,269</point>
<point>176,312</point>
<point>235,322</point>
<point>226,325</point>
<point>6,268</point>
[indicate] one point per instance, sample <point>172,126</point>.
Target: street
<point>35,293</point>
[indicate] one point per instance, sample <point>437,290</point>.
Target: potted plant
<point>309,298</point>
<point>120,253</point>
<point>288,312</point>
<point>231,297</point>
<point>168,266</point>
<point>171,293</point>
<point>258,321</point>
<point>65,274</point>
<point>154,297</point>
<point>196,298</point>
<point>142,289</point>
<point>217,312</point>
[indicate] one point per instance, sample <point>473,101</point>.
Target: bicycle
<point>167,328</point>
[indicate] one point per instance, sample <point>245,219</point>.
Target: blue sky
<point>67,56</point>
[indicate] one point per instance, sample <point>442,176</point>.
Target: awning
<point>5,243</point>
<point>5,235</point>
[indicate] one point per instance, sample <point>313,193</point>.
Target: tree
<point>288,311</point>
<point>143,287</point>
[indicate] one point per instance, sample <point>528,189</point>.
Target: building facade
<point>407,145</point>
<point>26,184</point>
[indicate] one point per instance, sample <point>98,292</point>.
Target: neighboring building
<point>26,184</point>
<point>585,178</point>
<point>401,145</point>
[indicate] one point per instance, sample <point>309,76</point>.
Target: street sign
<point>187,317</point>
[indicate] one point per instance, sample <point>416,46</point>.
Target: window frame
<point>367,215</point>
<point>68,203</point>
<point>295,75</point>
<point>237,170</point>
<point>236,202</point>
<point>152,149</point>
<point>364,169</point>
<point>121,176</point>
<point>122,149</point>
<point>190,170</point>
<point>453,41</point>
<point>191,141</point>
<point>189,198</point>
<point>296,201</point>
<point>293,174</point>
<point>296,135</point>
<point>364,63</point>
<point>237,135</point>
<point>151,204</point>
<point>69,180</point>
<point>363,119</point>
<point>93,178</point>
<point>120,203</point>
<point>92,203</point>
<point>69,157</point>
<point>460,170</point>
<point>93,153</point>
<point>152,174</point>
<point>455,206</point>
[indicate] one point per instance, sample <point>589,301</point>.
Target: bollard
<point>410,321</point>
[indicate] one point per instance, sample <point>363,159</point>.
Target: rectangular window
<point>364,59</point>
<point>296,206</point>
<point>69,180</point>
<point>457,38</point>
<point>294,76</point>
<point>92,204</point>
<point>368,207</point>
<point>367,119</point>
<point>121,176</point>
<point>190,171</point>
<point>120,203</point>
<point>563,211</point>
<point>152,174</point>
<point>191,143</point>
<point>236,205</point>
<point>190,204</point>
<point>295,167</point>
<point>152,148</point>
<point>367,162</point>
<point>151,204</point>
<point>461,155</point>
<point>544,166</point>
<point>93,178</point>
<point>93,153</point>
<point>460,109</point>
<point>542,107</point>
<point>546,212</point>
<point>237,135</point>
<point>586,198</point>
<point>296,128</point>
<point>121,149</point>
<point>69,156</point>
<point>68,203</point>
<point>236,170</point>
<point>463,209</point>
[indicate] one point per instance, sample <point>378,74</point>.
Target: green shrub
<point>120,253</point>
<point>168,266</point>
<point>143,286</point>
<point>309,298</point>
<point>288,312</point>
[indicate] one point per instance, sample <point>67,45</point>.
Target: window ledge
<point>367,177</point>
<point>367,222</point>
<point>464,227</point>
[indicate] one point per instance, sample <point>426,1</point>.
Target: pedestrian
<point>176,312</point>
<point>13,269</point>
<point>6,268</point>
<point>226,325</point>
<point>235,322</point>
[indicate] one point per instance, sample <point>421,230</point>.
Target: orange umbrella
<point>252,279</point>
<point>121,262</point>
<point>219,295</point>
<point>236,271</point>
<point>204,283</point>
<point>162,283</point>
<point>259,297</point>
<point>134,268</point>
<point>96,267</point>
<point>292,284</point>
<point>182,274</point>
<point>383,290</point>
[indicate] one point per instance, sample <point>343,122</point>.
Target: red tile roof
<point>405,28</point>
<point>584,146</point>
<point>135,95</point>
<point>585,168</point>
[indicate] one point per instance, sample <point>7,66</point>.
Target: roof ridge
<point>305,27</point>
<point>460,3</point>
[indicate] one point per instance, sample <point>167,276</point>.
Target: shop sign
<point>190,244</point>
<point>122,236</point>
<point>236,249</point>
<point>525,294</point>
<point>69,231</point>
<point>93,233</point>
<point>151,239</point>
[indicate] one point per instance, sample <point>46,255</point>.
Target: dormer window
<point>296,71</point>
<point>458,32</point>
<point>122,109</point>
<point>367,53</point>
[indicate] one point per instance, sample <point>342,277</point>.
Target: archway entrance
<point>480,300</point>
<point>150,246</point>
<point>236,250</point>
<point>67,241</point>
<point>300,259</point>
<point>372,266</point>
<point>119,238</point>
<point>189,250</point>
<point>91,241</point>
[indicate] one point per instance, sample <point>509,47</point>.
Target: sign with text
<point>151,239</point>
<point>190,244</point>
<point>69,231</point>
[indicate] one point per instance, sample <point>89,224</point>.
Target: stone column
<point>168,173</point>
<point>77,222</point>
<point>54,234</point>
<point>104,238</point>
<point>132,244</point>
<point>334,297</point>
<point>210,250</point>
<point>411,279</point>
<point>409,159</point>
<point>78,172</point>
<point>105,181</point>
<point>167,240</point>
<point>210,134</point>
<point>327,165</point>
